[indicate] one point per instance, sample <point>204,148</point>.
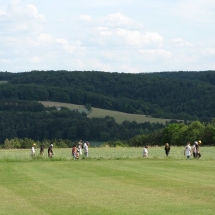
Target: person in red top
<point>74,152</point>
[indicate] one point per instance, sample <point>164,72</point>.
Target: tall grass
<point>64,154</point>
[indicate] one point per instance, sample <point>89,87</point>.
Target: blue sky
<point>131,36</point>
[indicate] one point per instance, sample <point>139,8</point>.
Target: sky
<point>129,36</point>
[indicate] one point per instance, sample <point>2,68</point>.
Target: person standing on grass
<point>167,149</point>
<point>86,148</point>
<point>194,149</point>
<point>74,151</point>
<point>198,154</point>
<point>145,151</point>
<point>42,149</point>
<point>77,153</point>
<point>50,151</point>
<point>187,150</point>
<point>33,150</point>
<point>80,147</point>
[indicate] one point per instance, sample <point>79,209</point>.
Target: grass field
<point>3,82</point>
<point>208,153</point>
<point>97,112</point>
<point>115,181</point>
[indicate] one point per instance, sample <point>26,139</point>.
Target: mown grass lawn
<point>107,183</point>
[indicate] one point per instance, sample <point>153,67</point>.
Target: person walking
<point>194,149</point>
<point>145,151</point>
<point>42,149</point>
<point>86,148</point>
<point>80,147</point>
<point>167,149</point>
<point>187,150</point>
<point>33,150</point>
<point>74,151</point>
<point>50,151</point>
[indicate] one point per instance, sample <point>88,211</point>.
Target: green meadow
<point>111,181</point>
<point>101,113</point>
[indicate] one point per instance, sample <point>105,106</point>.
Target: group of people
<point>166,148</point>
<point>188,151</point>
<point>77,150</point>
<point>42,147</point>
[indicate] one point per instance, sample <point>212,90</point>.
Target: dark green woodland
<point>188,96</point>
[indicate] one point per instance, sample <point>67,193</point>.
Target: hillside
<point>101,113</point>
<point>172,95</point>
<point>121,106</point>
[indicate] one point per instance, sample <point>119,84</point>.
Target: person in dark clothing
<point>50,151</point>
<point>167,149</point>
<point>42,149</point>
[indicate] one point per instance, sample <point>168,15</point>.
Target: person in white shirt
<point>33,150</point>
<point>86,148</point>
<point>187,150</point>
<point>145,151</point>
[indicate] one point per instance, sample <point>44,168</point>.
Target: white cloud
<point>209,51</point>
<point>67,46</point>
<point>2,13</point>
<point>178,42</point>
<point>124,36</point>
<point>137,38</point>
<point>45,38</point>
<point>3,60</point>
<point>15,11</point>
<point>20,27</point>
<point>40,39</point>
<point>96,64</point>
<point>86,18</point>
<point>120,21</point>
<point>198,10</point>
<point>31,11</point>
<point>35,60</point>
<point>119,30</point>
<point>130,37</point>
<point>152,54</point>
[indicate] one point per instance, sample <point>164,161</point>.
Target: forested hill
<point>181,95</point>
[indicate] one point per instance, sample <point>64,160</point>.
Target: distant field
<point>3,82</point>
<point>97,112</point>
<point>118,181</point>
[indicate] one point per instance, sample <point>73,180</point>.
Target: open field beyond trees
<point>111,181</point>
<point>100,113</point>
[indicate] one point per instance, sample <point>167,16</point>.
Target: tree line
<point>173,95</point>
<point>27,119</point>
<point>176,134</point>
